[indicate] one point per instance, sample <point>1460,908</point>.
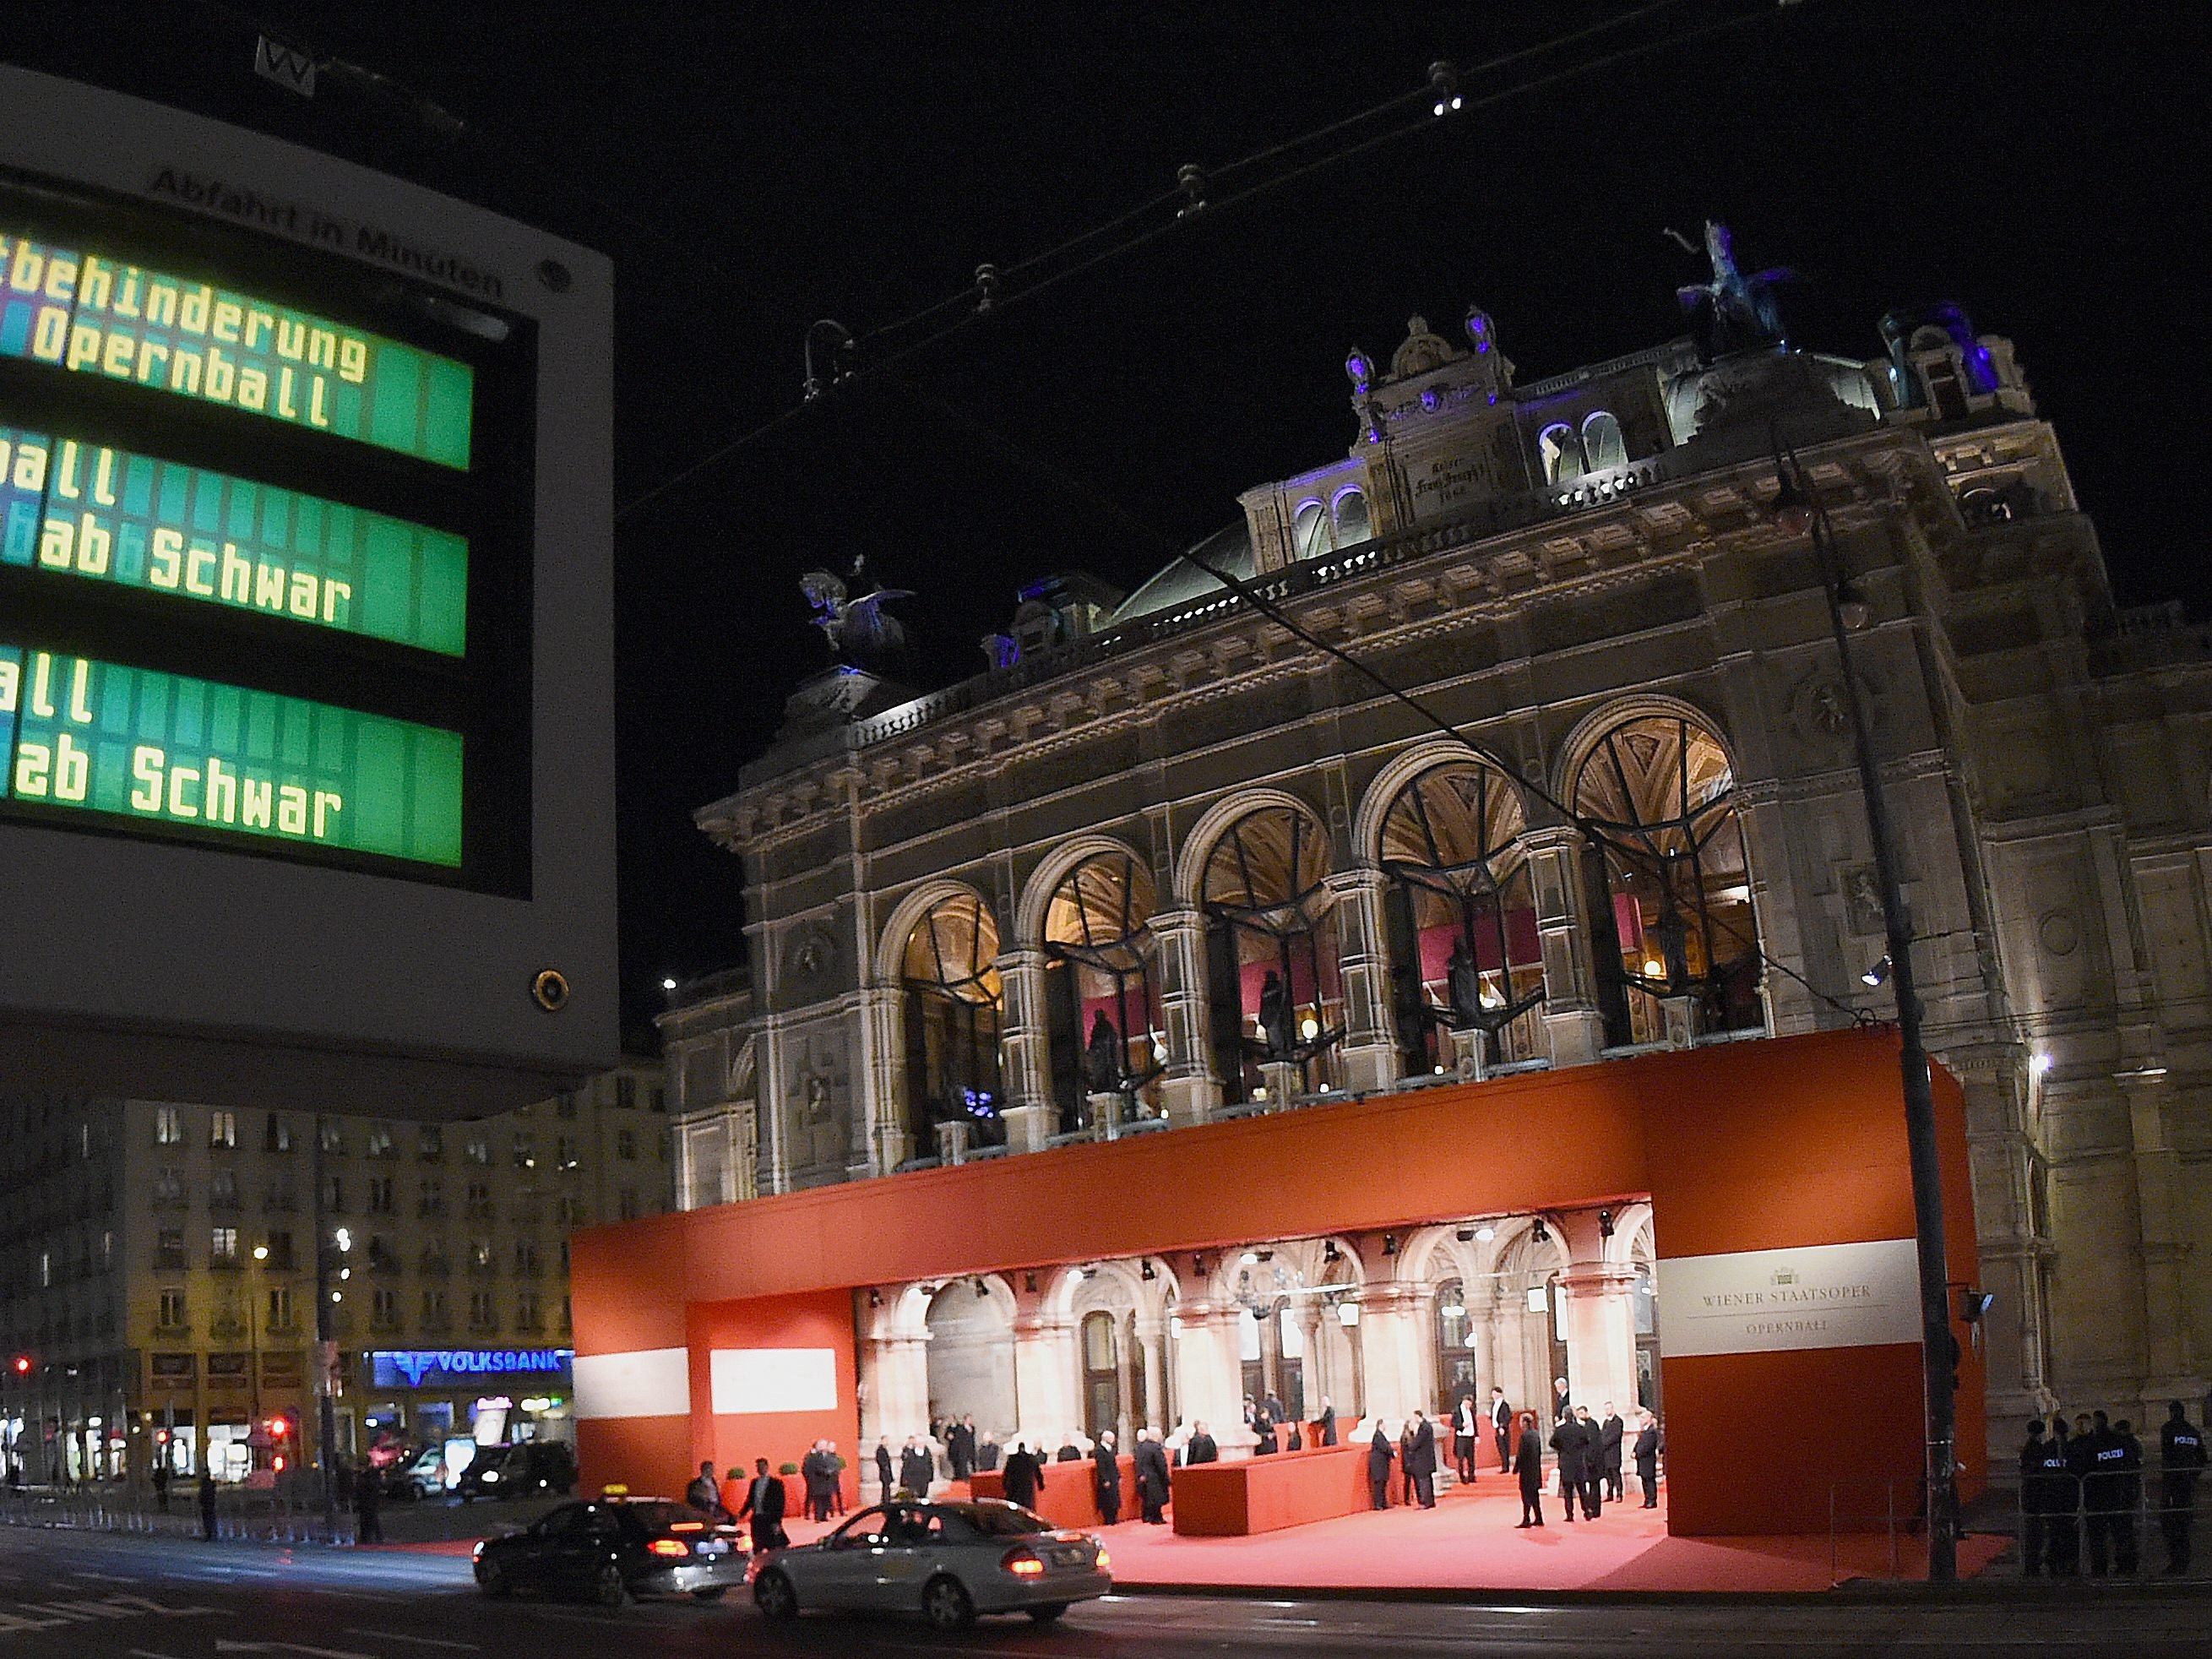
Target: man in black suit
<point>763,1504</point>
<point>1152,1459</point>
<point>1069,1452</point>
<point>1567,1445</point>
<point>1024,1475</point>
<point>1201,1448</point>
<point>1610,1432</point>
<point>1593,1486</point>
<point>1467,1428</point>
<point>915,1466</point>
<point>1501,1418</point>
<point>960,1447</point>
<point>1421,1462</point>
<point>1562,1408</point>
<point>1649,1444</point>
<point>1106,1479</point>
<point>1530,1466</point>
<point>1378,1468</point>
<point>883,1474</point>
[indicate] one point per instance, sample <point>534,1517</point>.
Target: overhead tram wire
<point>1247,594</point>
<point>965,313</point>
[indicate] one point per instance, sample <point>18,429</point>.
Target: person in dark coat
<point>2180,1458</point>
<point>915,1466</point>
<point>886,1477</point>
<point>704,1493</point>
<point>764,1507</point>
<point>1201,1448</point>
<point>161,1482</point>
<point>1106,1479</point>
<point>960,1447</point>
<point>1327,1421</point>
<point>1406,1462</point>
<point>1069,1452</point>
<point>1562,1408</point>
<point>1466,1430</point>
<point>1263,1430</point>
<point>2094,1456</point>
<point>1649,1444</point>
<point>368,1518</point>
<point>1593,1487</point>
<point>207,1507</point>
<point>1501,1419</point>
<point>1023,1475</point>
<point>1528,1464</point>
<point>1379,1453</point>
<point>1611,1431</point>
<point>1421,1462</point>
<point>1152,1460</point>
<point>986,1451</point>
<point>1567,1446</point>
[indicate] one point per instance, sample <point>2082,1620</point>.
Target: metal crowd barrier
<point>268,1517</point>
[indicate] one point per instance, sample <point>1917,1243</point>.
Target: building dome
<point>1181,582</point>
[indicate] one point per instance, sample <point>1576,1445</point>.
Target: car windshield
<point>1004,1521</point>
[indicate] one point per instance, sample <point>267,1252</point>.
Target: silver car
<point>946,1561</point>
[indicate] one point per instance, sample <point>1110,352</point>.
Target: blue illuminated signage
<point>440,1368</point>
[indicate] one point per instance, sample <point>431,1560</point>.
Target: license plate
<point>1070,1558</point>
<point>711,1546</point>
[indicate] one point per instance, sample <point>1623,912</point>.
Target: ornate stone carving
<point>2059,932</point>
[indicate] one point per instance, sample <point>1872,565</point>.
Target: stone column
<point>1395,1349</point>
<point>1470,1053</point>
<point>1313,1370</point>
<point>1189,1091</point>
<point>2170,1364</point>
<point>1045,1393</point>
<point>772,1174</point>
<point>1284,1081</point>
<point>895,1372</point>
<point>1573,1023</point>
<point>883,1139</point>
<point>1209,1376</point>
<point>1153,1334</point>
<point>1025,1068</point>
<point>1369,1050</point>
<point>1125,1384</point>
<point>1600,1317</point>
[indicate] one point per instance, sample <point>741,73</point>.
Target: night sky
<point>757,168</point>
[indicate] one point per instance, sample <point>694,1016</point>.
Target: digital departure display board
<point>306,641</point>
<point>248,508</point>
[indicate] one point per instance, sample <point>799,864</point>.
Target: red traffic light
<point>22,1365</point>
<point>278,1427</point>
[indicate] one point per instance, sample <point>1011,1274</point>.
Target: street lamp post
<point>327,1415</point>
<point>1796,510</point>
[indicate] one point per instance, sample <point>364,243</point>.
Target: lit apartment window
<point>480,1255</point>
<point>380,1141</point>
<point>171,1313</point>
<point>222,1247</point>
<point>626,1143</point>
<point>107,1249</point>
<point>478,1149</point>
<point>333,1137</point>
<point>222,1128</point>
<point>168,1127</point>
<point>277,1137</point>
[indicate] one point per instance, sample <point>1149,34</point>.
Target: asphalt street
<point>81,1595</point>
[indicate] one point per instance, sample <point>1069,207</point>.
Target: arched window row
<point>1570,452</point>
<point>1319,527</point>
<point>1666,900</point>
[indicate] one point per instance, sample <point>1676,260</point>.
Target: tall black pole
<point>1936,1338</point>
<point>326,1421</point>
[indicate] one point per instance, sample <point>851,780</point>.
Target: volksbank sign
<point>441,1368</point>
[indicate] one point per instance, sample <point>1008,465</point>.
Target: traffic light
<point>22,1365</point>
<point>278,1427</point>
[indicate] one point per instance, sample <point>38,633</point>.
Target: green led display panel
<point>132,744</point>
<point>88,510</point>
<point>88,313</point>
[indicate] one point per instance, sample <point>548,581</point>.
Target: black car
<point>611,1551</point>
<point>522,1470</point>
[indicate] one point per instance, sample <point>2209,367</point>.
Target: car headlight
<point>490,1476</point>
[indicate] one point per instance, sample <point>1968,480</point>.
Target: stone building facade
<point>1171,861</point>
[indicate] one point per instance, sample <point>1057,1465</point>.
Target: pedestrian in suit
<point>1611,1431</point>
<point>1593,1487</point>
<point>1649,1444</point>
<point>1422,1462</point>
<point>764,1505</point>
<point>1378,1469</point>
<point>368,1522</point>
<point>2180,1458</point>
<point>885,1477</point>
<point>207,1504</point>
<point>1201,1448</point>
<point>1562,1408</point>
<point>1263,1433</point>
<point>2094,1455</point>
<point>1530,1466</point>
<point>1024,1474</point>
<point>1152,1459</point>
<point>1501,1418</point>
<point>1327,1421</point>
<point>1069,1452</point>
<point>1567,1446</point>
<point>1465,1426</point>
<point>960,1448</point>
<point>915,1466</point>
<point>704,1493</point>
<point>1106,1480</point>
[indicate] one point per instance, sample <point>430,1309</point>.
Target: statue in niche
<point>1732,313</point>
<point>861,633</point>
<point>1465,979</point>
<point>1275,1018</point>
<point>1102,1056</point>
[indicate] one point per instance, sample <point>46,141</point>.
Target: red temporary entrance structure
<point>1789,1145</point>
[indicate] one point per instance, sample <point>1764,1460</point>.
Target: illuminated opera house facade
<point>1166,864</point>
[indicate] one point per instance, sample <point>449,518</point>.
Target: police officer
<point>2032,1497</point>
<point>2094,1456</point>
<point>2180,1455</point>
<point>2125,1537</point>
<point>2057,1495</point>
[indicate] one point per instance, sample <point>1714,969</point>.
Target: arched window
<point>1271,951</point>
<point>1602,444</point>
<point>1352,522</point>
<point>1102,1390</point>
<point>953,1005</point>
<point>1464,952</point>
<point>1309,532</point>
<point>1661,793</point>
<point>1105,1033</point>
<point>1454,1352</point>
<point>1563,454</point>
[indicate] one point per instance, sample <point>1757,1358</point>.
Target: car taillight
<point>674,1547</point>
<point>1023,1562</point>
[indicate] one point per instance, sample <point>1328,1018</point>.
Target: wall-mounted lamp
<point>1876,973</point>
<point>1029,1282</point>
<point>1248,1257</point>
<point>1605,1223</point>
<point>1465,1234</point>
<point>1145,1272</point>
<point>875,1298</point>
<point>1389,1243</point>
<point>1329,1252</point>
<point>1347,1314</point>
<point>1540,1232</point>
<point>1266,1255</point>
<point>1485,1233</point>
<point>982,1289</point>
